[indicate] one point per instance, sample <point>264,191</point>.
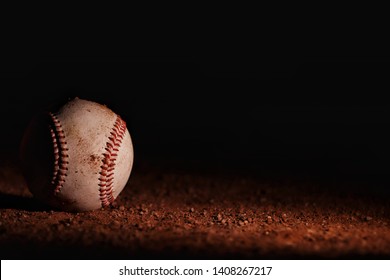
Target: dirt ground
<point>179,213</point>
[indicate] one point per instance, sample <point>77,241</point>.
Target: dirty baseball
<point>77,158</point>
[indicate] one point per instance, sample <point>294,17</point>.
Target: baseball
<point>78,158</point>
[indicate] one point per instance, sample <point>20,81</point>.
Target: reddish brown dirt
<point>178,213</point>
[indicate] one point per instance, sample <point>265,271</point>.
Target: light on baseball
<point>78,158</point>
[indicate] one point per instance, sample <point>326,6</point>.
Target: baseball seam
<point>106,178</point>
<point>61,156</point>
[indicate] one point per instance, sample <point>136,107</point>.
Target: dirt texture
<point>179,213</point>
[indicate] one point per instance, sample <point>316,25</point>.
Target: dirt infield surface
<point>179,213</point>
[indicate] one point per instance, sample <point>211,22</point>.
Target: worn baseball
<point>77,158</point>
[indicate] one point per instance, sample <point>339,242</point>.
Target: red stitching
<point>106,177</point>
<point>60,148</point>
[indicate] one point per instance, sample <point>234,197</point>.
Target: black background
<point>320,116</point>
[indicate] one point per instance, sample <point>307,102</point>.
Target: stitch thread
<point>61,156</point>
<point>106,178</point>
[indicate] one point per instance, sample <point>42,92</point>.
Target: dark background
<point>318,116</point>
